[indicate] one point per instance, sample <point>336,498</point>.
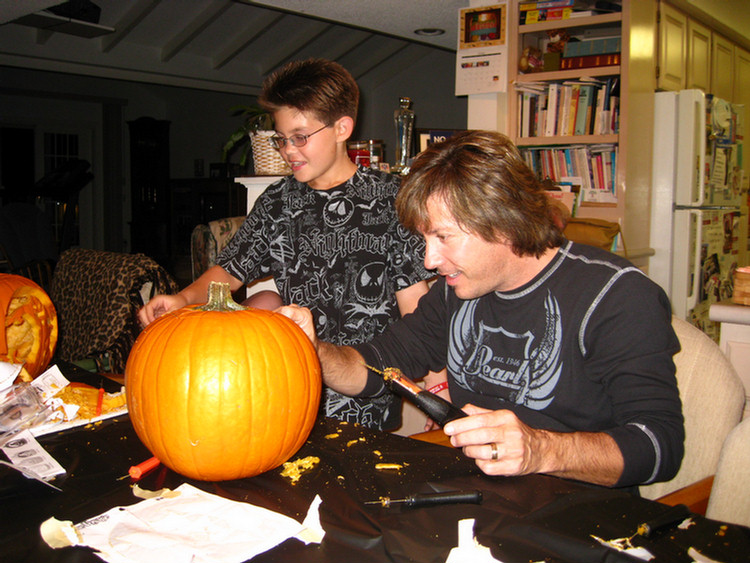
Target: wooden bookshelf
<point>520,36</point>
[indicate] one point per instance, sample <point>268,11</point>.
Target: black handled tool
<point>431,499</point>
<point>675,514</point>
<point>437,408</point>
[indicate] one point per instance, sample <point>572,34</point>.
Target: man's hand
<point>517,446</point>
<point>159,305</point>
<point>503,445</point>
<point>303,318</point>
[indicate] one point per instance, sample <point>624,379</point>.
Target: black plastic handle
<point>432,499</point>
<point>437,408</point>
<point>672,516</point>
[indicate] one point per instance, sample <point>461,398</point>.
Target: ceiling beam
<point>344,43</point>
<point>405,58</point>
<point>288,49</point>
<point>255,29</point>
<point>192,29</point>
<point>127,23</point>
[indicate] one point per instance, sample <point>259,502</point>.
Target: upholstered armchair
<point>97,295</point>
<point>208,240</point>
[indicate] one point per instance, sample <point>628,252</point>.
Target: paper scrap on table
<point>189,527</point>
<point>698,557</point>
<point>469,550</point>
<point>30,458</point>
<point>8,374</point>
<point>624,545</point>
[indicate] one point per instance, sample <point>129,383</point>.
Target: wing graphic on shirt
<point>520,367</point>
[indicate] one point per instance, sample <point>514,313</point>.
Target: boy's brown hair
<point>317,86</point>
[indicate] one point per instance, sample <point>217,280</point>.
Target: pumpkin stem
<point>220,298</point>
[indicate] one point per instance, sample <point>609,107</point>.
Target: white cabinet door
<point>722,67</point>
<point>698,56</point>
<point>742,96</point>
<point>672,48</point>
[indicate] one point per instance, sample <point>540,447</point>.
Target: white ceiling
<point>230,45</point>
<point>395,17</point>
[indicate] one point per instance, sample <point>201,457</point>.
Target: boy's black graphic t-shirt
<point>343,254</point>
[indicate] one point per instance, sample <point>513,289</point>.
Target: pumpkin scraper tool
<point>431,499</point>
<point>437,408</point>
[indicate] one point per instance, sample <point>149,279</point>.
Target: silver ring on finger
<point>493,447</point>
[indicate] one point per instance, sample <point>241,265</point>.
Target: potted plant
<point>254,132</point>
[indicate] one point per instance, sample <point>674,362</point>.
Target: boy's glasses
<point>296,140</point>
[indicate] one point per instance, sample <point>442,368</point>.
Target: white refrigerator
<point>698,211</point>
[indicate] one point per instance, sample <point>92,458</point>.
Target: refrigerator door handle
<point>699,117</point>
<point>692,299</point>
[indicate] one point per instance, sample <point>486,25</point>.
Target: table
<point>735,339</point>
<point>521,519</point>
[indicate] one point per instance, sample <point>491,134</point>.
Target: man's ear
<point>343,127</point>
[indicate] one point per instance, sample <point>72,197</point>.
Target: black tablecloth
<point>528,518</point>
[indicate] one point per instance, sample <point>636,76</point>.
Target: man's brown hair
<point>487,187</point>
<point>318,86</point>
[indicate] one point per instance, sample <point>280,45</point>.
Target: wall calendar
<point>481,60</point>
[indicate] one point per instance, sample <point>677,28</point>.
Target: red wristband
<point>439,387</point>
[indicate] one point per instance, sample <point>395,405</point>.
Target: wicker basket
<point>266,160</point>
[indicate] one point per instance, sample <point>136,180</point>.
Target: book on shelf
<point>596,46</point>
<point>583,13</point>
<point>545,14</point>
<point>589,61</point>
<point>583,112</point>
<point>570,108</point>
<point>550,123</point>
<point>526,6</point>
<point>594,166</point>
<point>568,198</point>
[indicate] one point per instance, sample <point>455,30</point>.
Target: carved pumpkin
<point>220,391</point>
<point>29,322</point>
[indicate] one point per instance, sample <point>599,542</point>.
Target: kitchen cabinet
<point>673,48</point>
<point>741,96</point>
<point>698,56</point>
<point>722,67</point>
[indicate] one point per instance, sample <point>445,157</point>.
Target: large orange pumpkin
<point>29,323</point>
<point>220,391</point>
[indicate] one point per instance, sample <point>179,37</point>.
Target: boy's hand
<point>303,318</point>
<point>159,305</point>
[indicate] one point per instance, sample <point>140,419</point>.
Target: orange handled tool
<point>138,471</point>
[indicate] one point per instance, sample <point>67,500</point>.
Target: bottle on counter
<point>404,121</point>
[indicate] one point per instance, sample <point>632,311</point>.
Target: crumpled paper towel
<point>469,550</point>
<point>8,374</point>
<point>186,525</point>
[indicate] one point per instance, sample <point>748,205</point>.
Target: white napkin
<point>8,374</point>
<point>469,550</point>
<point>186,525</point>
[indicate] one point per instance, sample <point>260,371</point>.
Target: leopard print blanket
<point>97,295</point>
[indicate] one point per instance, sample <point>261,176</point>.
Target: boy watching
<point>328,234</point>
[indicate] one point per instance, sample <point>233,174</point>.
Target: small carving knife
<point>672,516</point>
<point>431,499</point>
<point>437,408</point>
